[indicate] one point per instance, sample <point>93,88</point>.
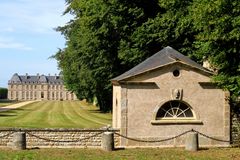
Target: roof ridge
<point>163,57</point>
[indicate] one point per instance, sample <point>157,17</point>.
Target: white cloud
<point>35,16</point>
<point>10,44</point>
<point>14,45</point>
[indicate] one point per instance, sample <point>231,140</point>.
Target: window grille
<point>175,110</point>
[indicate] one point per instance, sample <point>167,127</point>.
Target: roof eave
<point>209,73</point>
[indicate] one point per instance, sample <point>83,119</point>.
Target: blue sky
<point>28,38</point>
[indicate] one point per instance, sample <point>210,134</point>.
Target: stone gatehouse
<point>166,95</point>
<point>38,87</point>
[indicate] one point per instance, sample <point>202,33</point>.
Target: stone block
<point>191,143</point>
<point>108,141</point>
<point>19,141</point>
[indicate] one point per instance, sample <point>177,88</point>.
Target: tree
<point>106,38</point>
<point>3,93</point>
<point>90,58</point>
<point>217,23</point>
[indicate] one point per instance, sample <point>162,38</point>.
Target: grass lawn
<point>4,102</point>
<point>127,154</point>
<point>55,114</point>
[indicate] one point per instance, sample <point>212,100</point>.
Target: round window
<point>176,73</point>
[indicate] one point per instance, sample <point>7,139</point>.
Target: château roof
<point>35,79</point>
<point>164,57</point>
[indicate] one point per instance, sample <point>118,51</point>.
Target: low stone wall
<point>57,138</point>
<point>235,128</point>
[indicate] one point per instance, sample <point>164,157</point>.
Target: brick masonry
<point>58,135</point>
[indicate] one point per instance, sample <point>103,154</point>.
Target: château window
<point>175,111</point>
<point>42,95</point>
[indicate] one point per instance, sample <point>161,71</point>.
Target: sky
<point>28,38</point>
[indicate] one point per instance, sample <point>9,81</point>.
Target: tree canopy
<point>108,37</point>
<point>3,93</point>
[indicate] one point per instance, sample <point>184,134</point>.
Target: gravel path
<point>14,106</point>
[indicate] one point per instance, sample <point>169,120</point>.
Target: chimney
<point>26,76</point>
<point>55,76</point>
<point>38,75</point>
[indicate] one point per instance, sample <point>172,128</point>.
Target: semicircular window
<point>175,110</point>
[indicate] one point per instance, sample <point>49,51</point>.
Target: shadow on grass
<point>7,115</point>
<point>97,111</point>
<point>119,149</point>
<point>203,149</point>
<point>11,112</point>
<point>6,100</point>
<point>33,148</point>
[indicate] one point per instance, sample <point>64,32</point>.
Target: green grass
<point>127,154</point>
<point>4,102</point>
<point>55,114</point>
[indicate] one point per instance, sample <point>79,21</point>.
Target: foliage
<point>90,58</point>
<point>3,93</point>
<point>218,39</point>
<point>106,38</point>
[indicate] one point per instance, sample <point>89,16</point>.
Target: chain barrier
<point>118,134</point>
<point>171,138</point>
<point>153,141</point>
<point>212,138</point>
<point>51,140</point>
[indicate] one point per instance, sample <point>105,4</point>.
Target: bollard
<point>191,142</point>
<point>108,141</point>
<point>19,141</point>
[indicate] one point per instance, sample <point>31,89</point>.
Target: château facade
<point>38,87</point>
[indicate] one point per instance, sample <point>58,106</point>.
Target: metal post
<point>19,141</point>
<point>108,141</point>
<point>191,142</point>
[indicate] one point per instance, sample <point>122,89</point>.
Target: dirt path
<point>14,106</point>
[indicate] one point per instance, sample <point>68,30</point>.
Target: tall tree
<point>217,23</point>
<point>106,38</point>
<point>90,58</point>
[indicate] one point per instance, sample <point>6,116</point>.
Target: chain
<point>174,137</point>
<point>209,137</point>
<point>153,141</point>
<point>129,138</point>
<point>51,140</point>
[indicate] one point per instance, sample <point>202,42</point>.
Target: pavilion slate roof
<point>35,79</point>
<point>166,56</point>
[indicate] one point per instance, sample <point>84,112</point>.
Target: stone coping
<point>184,121</point>
<point>58,130</point>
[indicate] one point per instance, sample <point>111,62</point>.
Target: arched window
<point>174,110</point>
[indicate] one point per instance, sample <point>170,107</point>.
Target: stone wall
<point>235,124</point>
<point>57,138</point>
